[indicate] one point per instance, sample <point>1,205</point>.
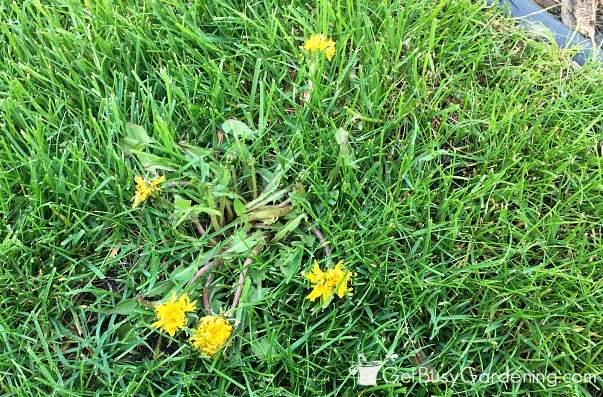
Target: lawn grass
<point>468,198</point>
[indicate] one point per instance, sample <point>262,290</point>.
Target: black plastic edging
<point>529,12</point>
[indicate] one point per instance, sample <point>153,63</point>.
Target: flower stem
<point>201,272</point>
<point>206,304</point>
<point>210,266</point>
<point>322,240</point>
<point>212,204</point>
<point>242,275</point>
<point>254,183</point>
<point>229,214</point>
<point>172,184</point>
<point>199,227</point>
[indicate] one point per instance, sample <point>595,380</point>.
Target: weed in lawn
<point>451,162</point>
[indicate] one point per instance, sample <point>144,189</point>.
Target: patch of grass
<point>469,203</point>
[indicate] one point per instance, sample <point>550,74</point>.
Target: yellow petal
<point>136,200</point>
<point>316,292</point>
<point>326,295</point>
<point>171,330</point>
<point>186,304</point>
<point>342,288</point>
<point>330,51</point>
<point>172,298</point>
<point>158,180</point>
<point>157,324</point>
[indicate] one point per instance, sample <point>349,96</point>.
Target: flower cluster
<point>320,43</point>
<point>212,332</point>
<point>145,190</point>
<point>209,336</point>
<point>327,283</point>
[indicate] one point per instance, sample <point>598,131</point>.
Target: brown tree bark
<point>548,3</point>
<point>581,14</point>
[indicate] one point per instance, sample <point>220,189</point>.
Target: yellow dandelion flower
<point>211,334</point>
<point>145,190</point>
<point>320,43</point>
<point>330,282</point>
<point>171,315</point>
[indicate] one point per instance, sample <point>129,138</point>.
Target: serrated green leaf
<point>345,150</point>
<point>267,214</point>
<point>160,288</point>
<point>184,272</point>
<point>182,209</point>
<point>152,163</point>
<point>237,129</point>
<point>181,204</point>
<point>195,153</point>
<point>199,158</point>
<point>256,294</point>
<point>124,307</point>
<point>265,198</point>
<point>341,136</point>
<point>239,207</point>
<point>262,348</point>
<point>291,265</point>
<point>242,242</point>
<point>289,227</point>
<point>136,138</point>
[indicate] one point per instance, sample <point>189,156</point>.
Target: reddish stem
<point>201,272</point>
<point>210,277</point>
<point>283,204</point>
<point>323,241</point>
<point>201,230</point>
<point>242,275</point>
<point>206,304</point>
<point>199,227</point>
<point>172,184</point>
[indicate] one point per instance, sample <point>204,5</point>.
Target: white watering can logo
<point>367,370</point>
